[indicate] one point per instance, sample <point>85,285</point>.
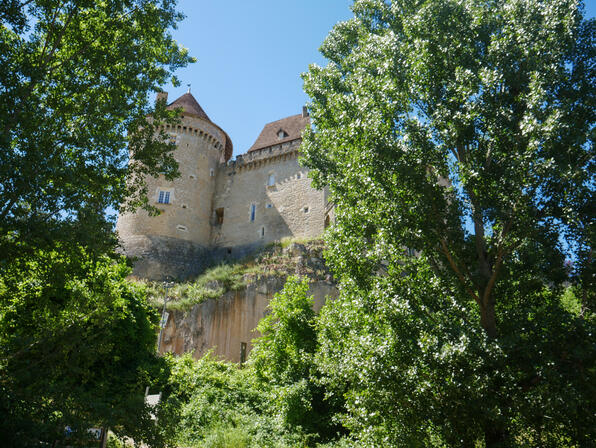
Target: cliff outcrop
<point>228,308</point>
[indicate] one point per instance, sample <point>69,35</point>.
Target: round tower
<point>175,243</point>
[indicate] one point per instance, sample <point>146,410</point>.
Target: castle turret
<point>176,242</point>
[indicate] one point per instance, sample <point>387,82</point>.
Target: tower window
<point>211,172</point>
<point>219,214</point>
<point>262,232</point>
<point>271,180</point>
<point>253,212</point>
<point>164,197</point>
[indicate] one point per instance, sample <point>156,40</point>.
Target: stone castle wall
<point>271,180</point>
<point>161,243</point>
<point>217,209</point>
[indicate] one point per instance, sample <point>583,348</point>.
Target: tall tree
<point>77,350</point>
<point>283,356</point>
<point>77,137</point>
<point>464,131</point>
<point>74,82</point>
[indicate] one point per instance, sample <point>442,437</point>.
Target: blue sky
<point>249,58</point>
<point>250,55</point>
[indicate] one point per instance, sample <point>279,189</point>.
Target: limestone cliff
<point>226,324</point>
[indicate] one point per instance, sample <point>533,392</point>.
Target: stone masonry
<point>220,207</point>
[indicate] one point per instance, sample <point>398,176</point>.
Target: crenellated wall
<point>273,181</point>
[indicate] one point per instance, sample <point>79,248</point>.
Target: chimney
<point>162,96</point>
<point>304,112</point>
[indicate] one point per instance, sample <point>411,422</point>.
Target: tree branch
<point>458,272</point>
<point>501,252</point>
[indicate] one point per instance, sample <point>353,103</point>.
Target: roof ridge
<point>292,126</point>
<point>189,105</point>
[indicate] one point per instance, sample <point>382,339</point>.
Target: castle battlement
<point>221,207</point>
<point>271,154</point>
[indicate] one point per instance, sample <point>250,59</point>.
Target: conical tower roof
<point>190,106</point>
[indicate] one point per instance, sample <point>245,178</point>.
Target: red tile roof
<point>190,106</point>
<point>292,126</point>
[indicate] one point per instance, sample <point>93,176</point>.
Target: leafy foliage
<point>284,356</point>
<point>462,131</point>
<point>74,82</point>
<point>209,403</point>
<point>275,400</point>
<point>78,344</point>
<point>417,369</point>
<point>77,138</point>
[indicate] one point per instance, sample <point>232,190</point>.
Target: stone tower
<point>176,242</point>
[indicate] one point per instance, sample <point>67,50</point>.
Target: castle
<point>220,207</point>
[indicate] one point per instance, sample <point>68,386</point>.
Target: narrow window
<point>306,210</point>
<point>299,176</point>
<point>262,232</point>
<point>271,180</point>
<point>242,353</point>
<point>219,214</point>
<point>253,211</point>
<point>181,227</point>
<point>211,172</point>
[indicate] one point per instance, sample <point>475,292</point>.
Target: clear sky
<point>249,58</point>
<point>250,54</point>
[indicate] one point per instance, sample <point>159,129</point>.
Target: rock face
<point>225,324</point>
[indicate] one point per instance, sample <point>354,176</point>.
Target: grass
<point>213,283</point>
<point>218,280</point>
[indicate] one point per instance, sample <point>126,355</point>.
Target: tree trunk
<point>496,437</point>
<point>488,319</point>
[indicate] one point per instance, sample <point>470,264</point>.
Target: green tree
<point>464,131</point>
<point>77,138</point>
<point>74,82</point>
<point>77,350</point>
<point>210,403</point>
<point>283,356</point>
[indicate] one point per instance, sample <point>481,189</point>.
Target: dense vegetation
<point>456,138</point>
<point>275,400</point>
<point>77,341</point>
<point>462,132</point>
<point>289,393</point>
